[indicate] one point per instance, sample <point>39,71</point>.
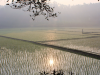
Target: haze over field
<point>73,14</point>
<point>68,44</point>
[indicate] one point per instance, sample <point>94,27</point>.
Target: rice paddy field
<point>24,58</point>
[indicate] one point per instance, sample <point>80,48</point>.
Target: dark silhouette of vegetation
<point>38,8</point>
<point>71,73</point>
<point>74,16</point>
<point>60,72</point>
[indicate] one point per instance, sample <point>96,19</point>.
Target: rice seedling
<point>23,58</point>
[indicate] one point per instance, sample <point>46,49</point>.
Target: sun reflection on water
<point>45,60</point>
<point>51,62</point>
<point>50,35</point>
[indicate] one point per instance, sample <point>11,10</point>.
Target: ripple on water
<point>47,59</point>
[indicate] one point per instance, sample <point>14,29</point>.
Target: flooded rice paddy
<point>31,63</point>
<point>22,58</point>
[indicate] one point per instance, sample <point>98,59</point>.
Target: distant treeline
<point>73,16</point>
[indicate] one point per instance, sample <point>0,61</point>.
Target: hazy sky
<point>65,2</point>
<point>75,2</point>
<point>87,14</point>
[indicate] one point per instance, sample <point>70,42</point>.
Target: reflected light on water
<point>50,35</point>
<point>31,63</point>
<point>51,62</point>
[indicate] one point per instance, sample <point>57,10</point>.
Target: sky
<point>76,13</point>
<point>75,2</point>
<point>65,2</point>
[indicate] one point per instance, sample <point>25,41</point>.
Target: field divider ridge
<point>75,51</point>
